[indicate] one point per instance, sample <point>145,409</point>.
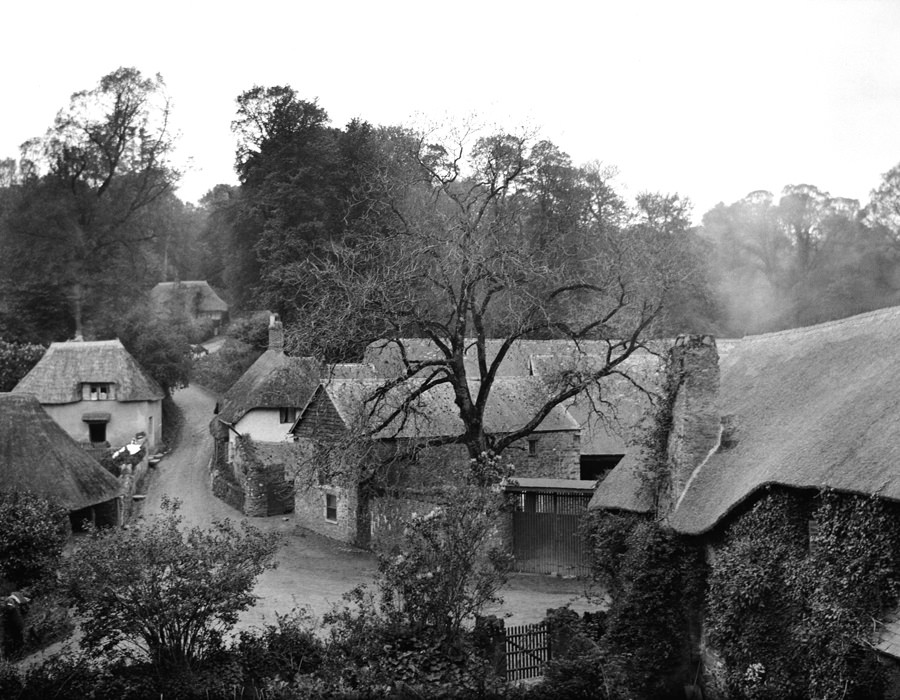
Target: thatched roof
<point>811,408</point>
<point>197,296</point>
<point>37,455</point>
<point>58,376</point>
<point>273,381</point>
<point>512,403</point>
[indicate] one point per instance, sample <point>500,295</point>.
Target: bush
<point>159,594</point>
<point>33,532</point>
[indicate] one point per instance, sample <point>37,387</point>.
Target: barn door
<point>546,537</point>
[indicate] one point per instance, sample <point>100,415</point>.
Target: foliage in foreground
<point>33,533</point>
<point>163,593</point>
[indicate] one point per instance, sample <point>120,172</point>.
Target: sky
<point>710,100</point>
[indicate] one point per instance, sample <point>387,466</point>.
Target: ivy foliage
<point>656,582</point>
<point>790,608</point>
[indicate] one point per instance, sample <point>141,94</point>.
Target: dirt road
<point>312,571</point>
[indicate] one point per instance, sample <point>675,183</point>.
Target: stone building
<point>400,445</point>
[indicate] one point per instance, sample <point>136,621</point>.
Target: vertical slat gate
<point>527,651</point>
<point>546,540</point>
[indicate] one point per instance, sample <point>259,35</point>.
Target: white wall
<point>126,419</point>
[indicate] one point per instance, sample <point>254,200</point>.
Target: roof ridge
<point>847,321</point>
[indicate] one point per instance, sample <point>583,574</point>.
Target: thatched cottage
<point>97,392</point>
<point>193,297</point>
<point>37,455</point>
<point>255,453</point>
<point>802,411</point>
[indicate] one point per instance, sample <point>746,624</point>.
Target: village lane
<point>313,571</point>
<point>183,473</point>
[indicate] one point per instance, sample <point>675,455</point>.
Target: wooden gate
<point>546,536</point>
<point>527,651</point>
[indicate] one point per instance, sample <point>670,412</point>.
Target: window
<point>99,392</point>
<point>532,447</point>
<point>331,507</point>
<point>287,415</point>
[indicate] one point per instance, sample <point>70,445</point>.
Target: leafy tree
<point>16,359</point>
<point>163,593</point>
<point>444,572</point>
<point>160,345</point>
<point>33,532</point>
<point>809,258</point>
<point>79,220</point>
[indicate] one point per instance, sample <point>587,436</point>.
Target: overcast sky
<point>708,99</point>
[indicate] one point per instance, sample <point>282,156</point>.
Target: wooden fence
<point>527,651</point>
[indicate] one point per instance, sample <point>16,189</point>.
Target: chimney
<point>276,334</point>
<point>696,429</point>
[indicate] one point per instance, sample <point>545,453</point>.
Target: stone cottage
<point>36,455</point>
<point>97,392</point>
<point>353,440</point>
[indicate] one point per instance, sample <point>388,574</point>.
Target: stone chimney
<point>696,429</point>
<point>276,334</point>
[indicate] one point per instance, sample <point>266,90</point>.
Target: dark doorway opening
<point>596,467</point>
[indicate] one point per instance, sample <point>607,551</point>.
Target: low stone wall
<point>227,491</point>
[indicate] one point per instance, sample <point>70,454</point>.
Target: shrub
<point>33,532</point>
<point>160,594</point>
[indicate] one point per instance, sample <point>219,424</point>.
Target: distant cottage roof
<point>59,374</point>
<point>511,405</point>
<point>194,290</point>
<point>37,455</point>
<point>811,407</point>
<point>275,380</point>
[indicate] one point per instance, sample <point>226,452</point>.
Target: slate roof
<point>206,297</point>
<point>434,414</point>
<point>37,455</point>
<point>59,374</point>
<point>606,433</point>
<point>812,408</point>
<point>275,380</point>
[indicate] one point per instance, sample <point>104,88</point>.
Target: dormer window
<point>98,391</point>
<point>287,415</point>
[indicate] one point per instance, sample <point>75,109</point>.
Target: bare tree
<point>450,255</point>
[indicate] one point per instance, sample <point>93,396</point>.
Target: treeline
<point>89,221</point>
<point>804,258</point>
